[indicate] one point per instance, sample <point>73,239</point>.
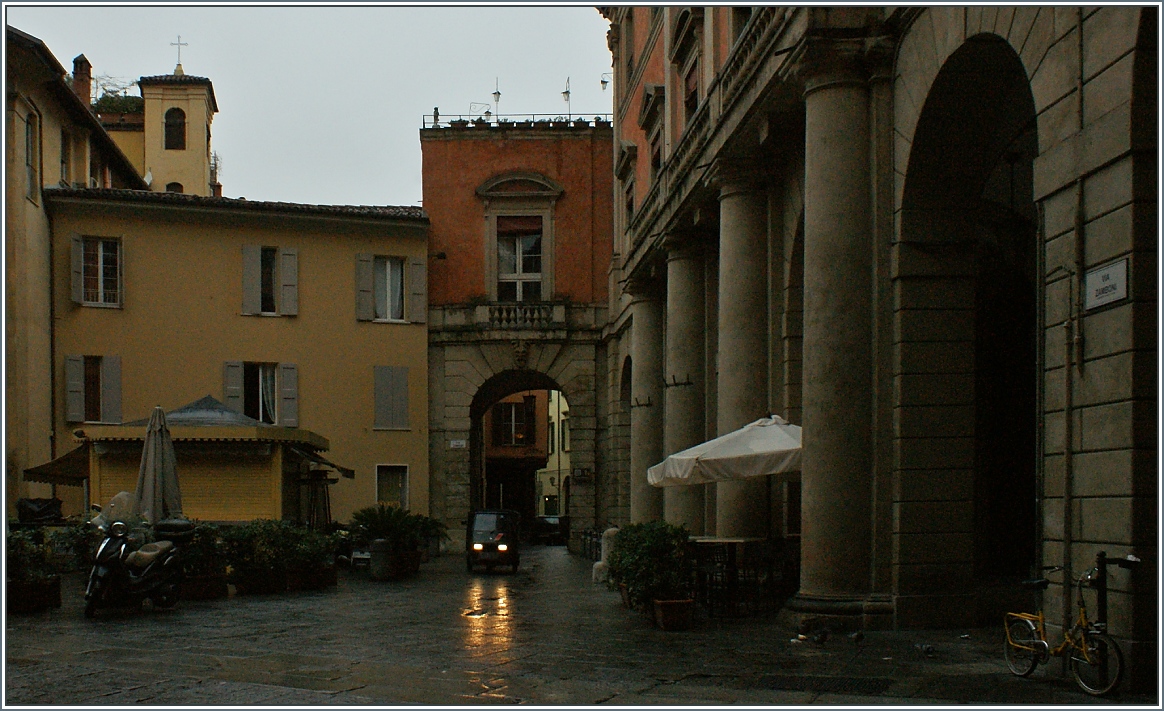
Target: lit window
<point>392,485</point>
<point>513,423</point>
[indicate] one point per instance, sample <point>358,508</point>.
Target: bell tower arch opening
<point>967,330</point>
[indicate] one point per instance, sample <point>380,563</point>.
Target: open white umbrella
<point>766,446</point>
<point>158,497</point>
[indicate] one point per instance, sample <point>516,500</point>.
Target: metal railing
<point>577,120</point>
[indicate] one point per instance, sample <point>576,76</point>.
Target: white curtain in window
<point>267,393</point>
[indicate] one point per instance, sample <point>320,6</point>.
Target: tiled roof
<point>182,79</point>
<point>393,212</point>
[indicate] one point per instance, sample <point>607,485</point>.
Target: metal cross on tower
<point>179,44</point>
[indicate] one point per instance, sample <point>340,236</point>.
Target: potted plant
<point>581,123</point>
<point>32,584</point>
<point>458,123</point>
<point>559,122</point>
<point>204,564</point>
<point>392,536</point>
<point>311,561</point>
<point>651,565</point>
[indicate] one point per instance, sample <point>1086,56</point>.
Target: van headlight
<point>478,547</point>
<point>502,547</point>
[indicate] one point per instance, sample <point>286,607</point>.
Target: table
<point>730,572</point>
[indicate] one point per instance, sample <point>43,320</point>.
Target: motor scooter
<point>122,577</point>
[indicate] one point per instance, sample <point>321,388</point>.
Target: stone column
<point>837,394</point>
<point>646,501</point>
<point>742,506</point>
<point>684,423</point>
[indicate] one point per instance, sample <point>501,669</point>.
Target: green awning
<point>71,469</point>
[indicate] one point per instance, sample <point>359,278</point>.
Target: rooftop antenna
<point>566,98</point>
<point>179,44</point>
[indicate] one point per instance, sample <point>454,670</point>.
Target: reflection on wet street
<point>545,635</point>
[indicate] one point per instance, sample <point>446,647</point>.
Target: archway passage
<point>967,295</point>
<point>519,446</point>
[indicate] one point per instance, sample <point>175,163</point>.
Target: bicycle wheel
<point>1100,671</point>
<point>1021,647</point>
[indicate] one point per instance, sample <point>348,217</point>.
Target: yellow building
<point>51,139</point>
<point>550,488</point>
<point>300,316</point>
<point>165,133</point>
<point>309,319</point>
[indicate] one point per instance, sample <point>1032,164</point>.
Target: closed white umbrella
<point>157,496</point>
<point>766,446</point>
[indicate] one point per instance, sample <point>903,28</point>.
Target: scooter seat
<point>147,554</point>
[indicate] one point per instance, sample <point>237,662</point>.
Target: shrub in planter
<point>402,534</point>
<point>311,563</point>
<point>651,559</point>
<point>73,547</point>
<point>32,584</point>
<point>432,532</point>
<point>257,555</point>
<point>204,563</point>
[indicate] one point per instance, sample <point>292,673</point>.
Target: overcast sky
<point>324,104</point>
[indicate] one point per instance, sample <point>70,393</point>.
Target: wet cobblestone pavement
<point>546,635</point>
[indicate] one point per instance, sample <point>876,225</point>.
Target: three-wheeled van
<point>491,538</point>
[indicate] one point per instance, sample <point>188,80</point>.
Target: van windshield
<point>485,522</point>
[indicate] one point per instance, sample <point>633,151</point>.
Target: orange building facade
<point>519,258</point>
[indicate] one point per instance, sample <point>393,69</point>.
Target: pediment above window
<point>520,185</point>
<point>651,110</point>
<point>686,34</point>
<point>625,162</point>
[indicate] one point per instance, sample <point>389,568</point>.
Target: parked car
<point>492,538</point>
<point>549,530</point>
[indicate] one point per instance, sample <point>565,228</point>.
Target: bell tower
<point>179,109</point>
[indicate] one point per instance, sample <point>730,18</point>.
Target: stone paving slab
<point>544,636</point>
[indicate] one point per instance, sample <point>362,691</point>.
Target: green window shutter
<point>252,280</point>
<point>74,388</point>
<point>417,290</point>
<point>288,395</point>
<point>78,258</point>
<point>111,389</point>
<point>232,385</point>
<point>364,310</point>
<point>391,397</point>
<point>288,282</point>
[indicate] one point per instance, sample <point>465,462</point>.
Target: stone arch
<point>965,296</point>
<point>477,374</point>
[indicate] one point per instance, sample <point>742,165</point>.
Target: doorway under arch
<point>966,364</point>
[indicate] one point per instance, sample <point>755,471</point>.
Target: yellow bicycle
<point>1095,658</point>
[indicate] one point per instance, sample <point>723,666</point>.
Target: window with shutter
<point>232,385</point>
<point>93,389</point>
<point>96,266</point>
<point>288,282</point>
<point>390,397</point>
<point>364,288</point>
<point>289,395</point>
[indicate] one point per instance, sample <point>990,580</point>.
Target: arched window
<point>175,130</point>
<point>173,187</point>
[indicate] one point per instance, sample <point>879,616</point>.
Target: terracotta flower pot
<point>674,615</point>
